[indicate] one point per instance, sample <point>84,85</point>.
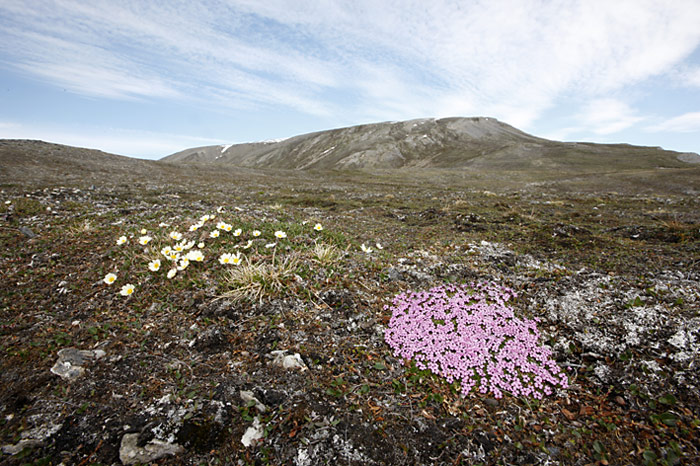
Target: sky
<point>150,78</point>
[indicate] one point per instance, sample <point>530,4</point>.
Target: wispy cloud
<point>607,116</point>
<point>690,77</point>
<point>512,59</point>
<point>686,123</point>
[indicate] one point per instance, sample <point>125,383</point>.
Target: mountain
<point>449,143</point>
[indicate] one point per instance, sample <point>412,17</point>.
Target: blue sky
<point>147,79</point>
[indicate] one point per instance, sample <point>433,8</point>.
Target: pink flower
<point>468,334</point>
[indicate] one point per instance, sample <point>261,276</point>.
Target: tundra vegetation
<point>176,314</point>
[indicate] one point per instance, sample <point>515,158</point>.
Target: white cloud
<point>686,123</point>
<point>512,59</point>
<point>691,77</point>
<point>607,116</point>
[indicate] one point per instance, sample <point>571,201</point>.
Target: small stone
<point>21,445</point>
<point>393,274</point>
<point>619,400</point>
<point>253,433</point>
<point>491,402</point>
<point>70,362</point>
<point>247,397</point>
<point>131,453</point>
<point>27,232</point>
<point>288,361</point>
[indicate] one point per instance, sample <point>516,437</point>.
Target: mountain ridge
<point>451,143</point>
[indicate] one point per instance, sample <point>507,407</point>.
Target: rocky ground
<point>288,364</point>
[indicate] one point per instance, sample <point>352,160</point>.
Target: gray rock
<point>27,232</point>
<point>393,274</point>
<point>21,445</point>
<point>69,365</point>
<point>32,438</point>
<point>288,361</point>
<point>253,433</point>
<point>131,453</point>
<point>247,397</point>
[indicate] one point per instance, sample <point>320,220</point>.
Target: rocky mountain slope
<point>464,143</point>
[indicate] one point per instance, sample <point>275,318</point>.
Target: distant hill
<point>454,143</point>
<point>22,159</point>
<point>474,152</point>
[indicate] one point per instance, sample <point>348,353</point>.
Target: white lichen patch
<point>496,252</point>
<point>686,342</point>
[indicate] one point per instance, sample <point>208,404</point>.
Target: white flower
<point>280,234</point>
<point>154,265</point>
<point>248,244</point>
<point>195,256</point>
<point>8,202</point>
<point>177,236</point>
<point>238,209</point>
<point>256,233</point>
<point>201,245</point>
<point>127,289</point>
<point>189,245</point>
<point>365,249</point>
<point>143,231</point>
<point>205,218</point>
<point>166,251</point>
<point>221,225</point>
<point>196,226</point>
<point>236,260</point>
<point>109,278</point>
<point>219,209</point>
<point>178,247</point>
<point>228,227</point>
<point>237,232</point>
<point>121,240</point>
<point>318,227</point>
<point>225,258</point>
<point>184,262</point>
<point>379,246</point>
<point>163,225</point>
<point>171,273</point>
<point>214,234</point>
<point>270,245</point>
<point>173,256</point>
<point>144,240</point>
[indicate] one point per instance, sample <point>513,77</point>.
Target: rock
<point>21,445</point>
<point>253,433</point>
<point>70,362</point>
<point>131,453</point>
<point>248,397</point>
<point>27,232</point>
<point>288,361</point>
<point>32,438</point>
<point>393,274</point>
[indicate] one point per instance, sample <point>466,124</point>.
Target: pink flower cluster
<point>469,334</point>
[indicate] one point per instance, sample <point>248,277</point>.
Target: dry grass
<point>255,281</point>
<point>325,254</point>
